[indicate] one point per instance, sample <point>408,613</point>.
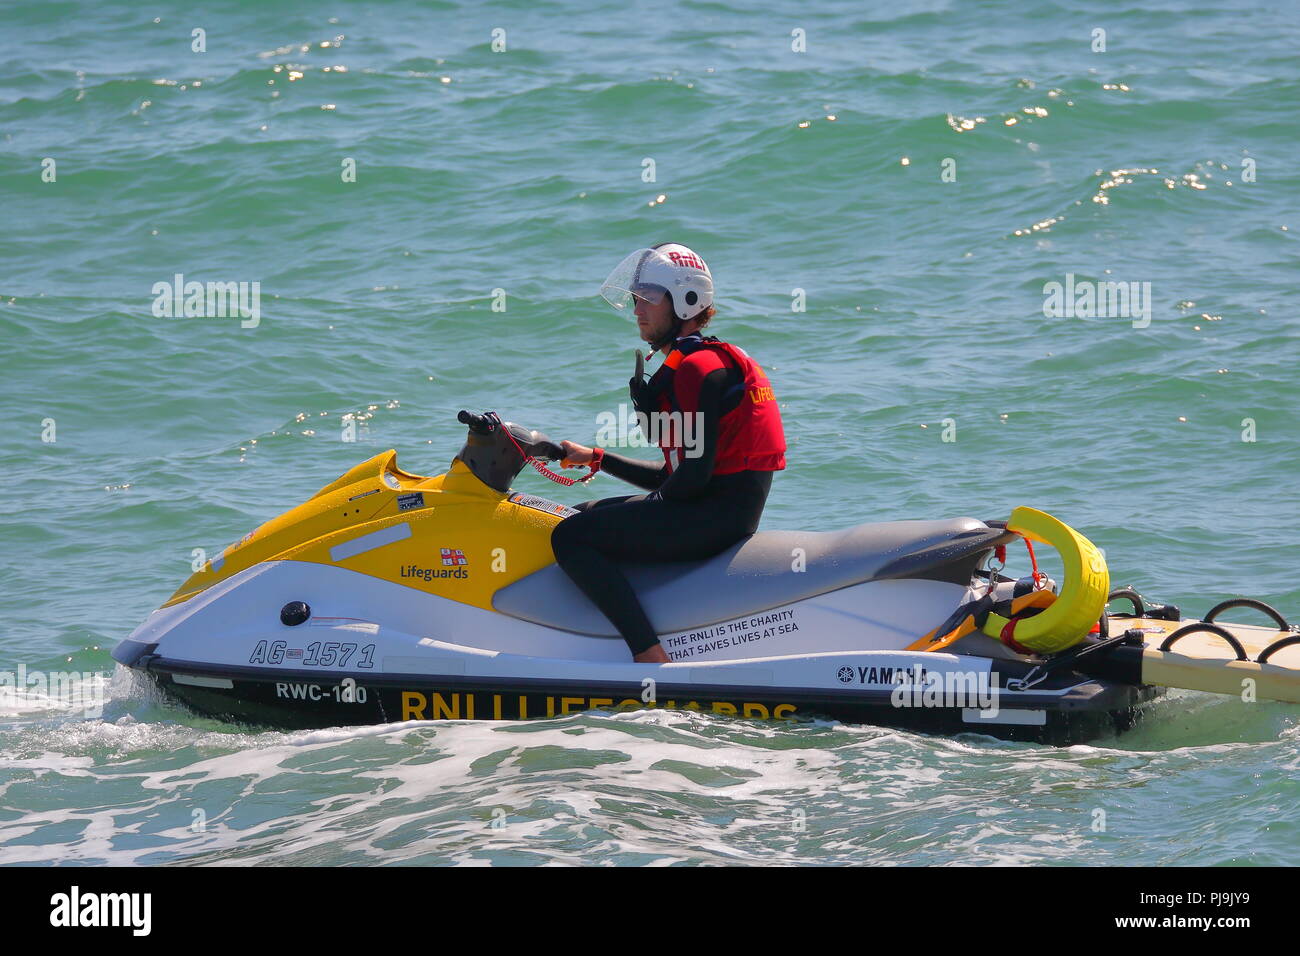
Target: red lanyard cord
<point>1000,555</point>
<point>1040,577</point>
<point>546,472</point>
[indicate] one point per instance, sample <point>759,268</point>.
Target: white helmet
<point>666,268</point>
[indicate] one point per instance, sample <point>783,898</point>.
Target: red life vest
<point>750,435</point>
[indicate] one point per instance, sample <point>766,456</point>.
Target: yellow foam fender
<point>1083,592</point>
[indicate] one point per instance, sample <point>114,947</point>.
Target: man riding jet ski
<point>393,596</point>
<point>702,499</point>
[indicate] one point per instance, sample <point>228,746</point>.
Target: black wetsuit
<point>690,514</point>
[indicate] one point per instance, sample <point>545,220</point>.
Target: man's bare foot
<point>653,655</point>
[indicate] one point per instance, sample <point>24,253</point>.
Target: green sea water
<point>882,191</point>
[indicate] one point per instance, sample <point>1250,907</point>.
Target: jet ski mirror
<point>496,451</point>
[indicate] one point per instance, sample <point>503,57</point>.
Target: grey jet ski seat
<point>757,573</point>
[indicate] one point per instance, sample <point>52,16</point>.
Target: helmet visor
<point>624,286</point>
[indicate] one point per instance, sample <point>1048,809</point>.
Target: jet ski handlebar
<point>496,451</point>
<point>478,424</point>
<point>528,441</point>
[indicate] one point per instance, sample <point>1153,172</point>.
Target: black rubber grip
<point>477,423</point>
<point>1198,626</point>
<point>1268,609</point>
<point>1139,610</point>
<point>1277,645</point>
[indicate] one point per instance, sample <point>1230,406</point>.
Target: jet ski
<point>388,596</point>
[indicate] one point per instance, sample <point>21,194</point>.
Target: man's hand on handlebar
<point>575,455</point>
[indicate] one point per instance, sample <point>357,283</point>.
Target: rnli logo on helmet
<point>686,260</point>
<point>845,675</point>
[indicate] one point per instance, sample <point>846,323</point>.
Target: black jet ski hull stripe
<point>1077,712</point>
